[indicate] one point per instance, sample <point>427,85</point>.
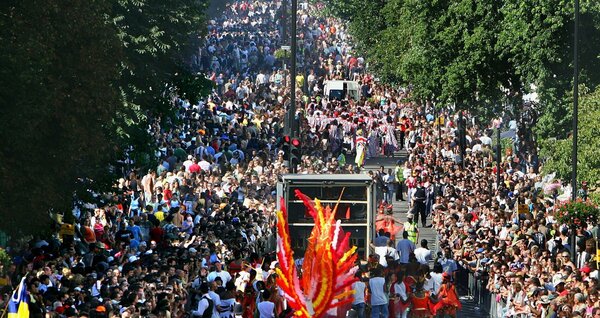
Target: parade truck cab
<point>356,210</point>
<point>341,90</point>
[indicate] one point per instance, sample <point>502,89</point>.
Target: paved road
<point>401,207</point>
<point>470,309</point>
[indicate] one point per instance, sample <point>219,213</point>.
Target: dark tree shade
<point>58,63</point>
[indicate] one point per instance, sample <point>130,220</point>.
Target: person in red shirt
<point>167,193</point>
<point>560,288</point>
<point>157,234</point>
<point>194,167</point>
<point>403,127</point>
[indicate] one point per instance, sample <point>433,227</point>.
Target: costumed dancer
<point>249,297</point>
<point>388,222</point>
<point>373,138</point>
<point>361,148</point>
<point>448,298</point>
<point>390,143</point>
<point>421,303</point>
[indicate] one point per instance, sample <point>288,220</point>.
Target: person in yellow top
<point>258,121</point>
<point>300,81</point>
<point>410,226</point>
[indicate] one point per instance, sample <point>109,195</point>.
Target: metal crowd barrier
<point>474,287</point>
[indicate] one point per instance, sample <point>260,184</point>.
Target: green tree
<point>558,152</point>
<point>479,54</point>
<point>537,37</point>
<point>365,21</point>
<point>158,38</point>
<point>79,81</point>
<point>445,49</point>
<point>59,61</point>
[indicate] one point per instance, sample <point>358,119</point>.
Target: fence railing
<point>473,286</point>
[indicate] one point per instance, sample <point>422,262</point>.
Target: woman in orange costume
<point>388,222</point>
<point>448,298</point>
<point>421,304</point>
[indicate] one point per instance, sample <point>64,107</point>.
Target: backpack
<point>539,238</point>
<point>209,310</point>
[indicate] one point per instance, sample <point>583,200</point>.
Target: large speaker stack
<point>355,194</point>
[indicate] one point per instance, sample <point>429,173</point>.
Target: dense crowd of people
<point>505,235</point>
<point>193,236</point>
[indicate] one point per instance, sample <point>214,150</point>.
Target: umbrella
<point>549,188</point>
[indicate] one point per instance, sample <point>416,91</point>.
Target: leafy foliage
<point>479,54</point>
<point>576,212</point>
<point>484,55</point>
<point>365,20</point>
<point>281,54</point>
<point>5,261</point>
<point>58,61</point>
<point>158,37</point>
<point>79,81</point>
<point>558,152</point>
<point>537,37</point>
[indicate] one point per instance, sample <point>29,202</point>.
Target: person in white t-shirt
<point>486,140</point>
<point>433,279</point>
<point>188,163</point>
<point>358,304</point>
<point>379,298</point>
<point>218,272</point>
<point>423,254</point>
<point>398,297</point>
<point>384,252</point>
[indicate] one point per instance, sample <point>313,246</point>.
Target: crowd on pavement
<point>193,236</point>
<point>505,235</point>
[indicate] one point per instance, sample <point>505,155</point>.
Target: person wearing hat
<point>387,222</point>
<point>410,227</point>
<point>448,298</point>
<point>559,287</point>
<point>542,308</point>
<point>419,207</point>
<point>219,272</point>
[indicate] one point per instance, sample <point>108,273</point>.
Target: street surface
<point>469,309</point>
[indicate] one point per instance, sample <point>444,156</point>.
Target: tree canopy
<point>558,152</point>
<point>485,56</point>
<point>78,82</point>
<point>479,54</point>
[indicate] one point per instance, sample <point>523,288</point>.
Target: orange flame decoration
<point>328,268</point>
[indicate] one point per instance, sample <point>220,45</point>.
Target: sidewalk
<point>470,309</point>
<point>401,207</point>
